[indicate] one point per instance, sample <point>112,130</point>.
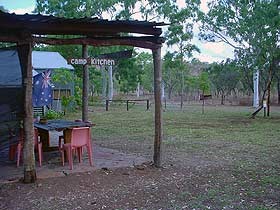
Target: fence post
<point>127,105</point>
<point>148,105</point>
<point>107,105</point>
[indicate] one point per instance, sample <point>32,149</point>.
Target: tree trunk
<point>138,90</point>
<point>104,83</point>
<point>25,57</point>
<point>269,90</point>
<point>203,102</point>
<point>223,99</point>
<point>110,85</point>
<point>256,89</point>
<point>85,86</point>
<point>158,107</point>
<point>162,91</point>
<point>182,90</point>
<point>278,90</point>
<point>169,90</point>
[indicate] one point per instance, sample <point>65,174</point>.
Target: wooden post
<point>25,57</point>
<point>85,86</point>
<point>127,105</point>
<point>148,104</point>
<point>107,105</point>
<point>158,108</point>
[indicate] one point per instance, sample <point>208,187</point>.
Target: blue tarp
<point>10,70</point>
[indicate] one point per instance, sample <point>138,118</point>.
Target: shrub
<point>52,114</point>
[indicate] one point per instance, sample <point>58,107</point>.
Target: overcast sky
<point>210,52</point>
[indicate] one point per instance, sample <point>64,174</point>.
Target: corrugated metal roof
<point>52,19</point>
<point>10,70</point>
<point>49,60</point>
<point>43,24</point>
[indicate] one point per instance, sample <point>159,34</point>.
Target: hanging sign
<point>108,59</point>
<point>91,61</point>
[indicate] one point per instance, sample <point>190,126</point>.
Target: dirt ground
<point>216,161</point>
<point>192,183</point>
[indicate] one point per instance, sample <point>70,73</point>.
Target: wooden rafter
<point>148,42</point>
<point>129,41</point>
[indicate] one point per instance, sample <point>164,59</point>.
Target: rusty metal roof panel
<point>51,25</point>
<point>85,20</point>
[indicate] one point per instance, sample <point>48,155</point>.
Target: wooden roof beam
<point>132,41</point>
<point>45,28</point>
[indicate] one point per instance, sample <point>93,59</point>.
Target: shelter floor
<point>103,158</point>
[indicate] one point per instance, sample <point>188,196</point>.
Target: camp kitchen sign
<point>91,61</point>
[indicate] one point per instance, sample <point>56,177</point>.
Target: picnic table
<point>57,125</point>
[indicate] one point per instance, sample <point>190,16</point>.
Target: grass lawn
<point>236,158</point>
<point>218,160</point>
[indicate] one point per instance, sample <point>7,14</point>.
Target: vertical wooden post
<point>148,104</point>
<point>158,108</point>
<point>85,86</point>
<point>107,105</point>
<point>25,57</point>
<point>126,105</point>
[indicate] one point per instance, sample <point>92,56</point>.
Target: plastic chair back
<point>80,136</point>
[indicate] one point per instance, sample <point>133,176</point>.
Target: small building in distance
<point>11,77</point>
<point>44,60</point>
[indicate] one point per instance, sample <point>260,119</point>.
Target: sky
<point>210,52</point>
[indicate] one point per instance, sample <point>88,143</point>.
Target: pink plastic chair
<point>14,144</point>
<point>80,137</point>
<point>37,146</point>
<point>61,138</point>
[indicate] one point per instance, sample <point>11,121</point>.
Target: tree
<point>171,73</point>
<point>204,82</point>
<point>144,61</point>
<point>204,86</point>
<point>128,74</point>
<point>179,35</point>
<point>251,28</point>
<point>224,78</point>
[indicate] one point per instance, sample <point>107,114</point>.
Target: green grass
<point>246,151</point>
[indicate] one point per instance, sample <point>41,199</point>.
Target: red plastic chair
<point>61,138</point>
<point>14,141</point>
<point>80,137</point>
<point>37,146</point>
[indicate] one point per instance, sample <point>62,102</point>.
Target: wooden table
<point>57,125</point>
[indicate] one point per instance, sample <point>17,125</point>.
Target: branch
<point>224,39</point>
